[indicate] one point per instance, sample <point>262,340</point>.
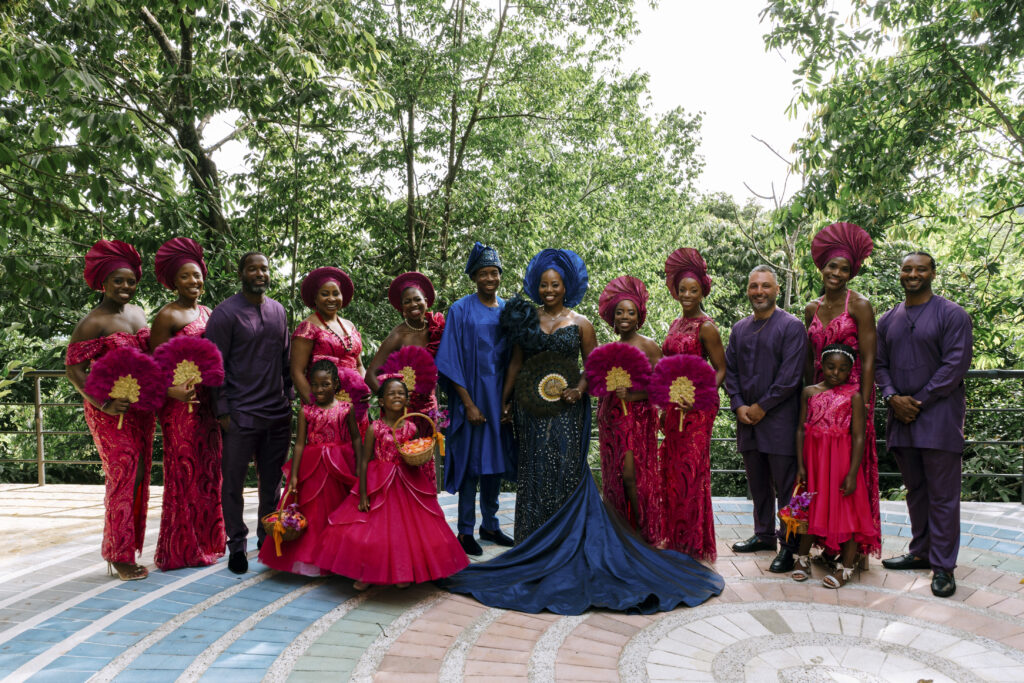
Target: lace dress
<point>685,456</point>
<point>326,474</point>
<point>192,521</point>
<point>550,448</point>
<point>843,330</point>
<point>835,518</point>
<point>123,452</point>
<point>635,430</point>
<point>326,344</point>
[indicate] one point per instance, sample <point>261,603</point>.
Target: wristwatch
<point>886,398</point>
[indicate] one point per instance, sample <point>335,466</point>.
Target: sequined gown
<point>685,456</point>
<point>324,480</point>
<point>192,521</point>
<point>843,330</point>
<point>404,536</point>
<point>635,430</point>
<point>835,518</point>
<point>122,452</point>
<point>550,448</point>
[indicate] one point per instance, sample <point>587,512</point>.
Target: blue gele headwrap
<point>567,264</point>
<point>482,256</point>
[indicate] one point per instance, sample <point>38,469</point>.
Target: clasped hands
<point>750,415</point>
<point>905,408</point>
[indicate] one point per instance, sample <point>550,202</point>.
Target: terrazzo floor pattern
<point>63,619</point>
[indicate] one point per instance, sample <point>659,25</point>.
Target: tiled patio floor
<point>63,619</point>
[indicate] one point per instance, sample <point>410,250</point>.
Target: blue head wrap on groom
<point>481,257</point>
<point>567,264</point>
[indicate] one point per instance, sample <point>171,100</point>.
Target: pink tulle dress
<point>122,451</point>
<point>404,537</point>
<point>192,521</point>
<point>685,456</point>
<point>635,430</point>
<point>326,474</point>
<point>835,518</point>
<point>843,330</point>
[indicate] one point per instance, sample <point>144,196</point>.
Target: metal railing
<point>40,432</point>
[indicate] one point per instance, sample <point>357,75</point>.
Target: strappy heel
<point>802,572</point>
<point>133,572</point>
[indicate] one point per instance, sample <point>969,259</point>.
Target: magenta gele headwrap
<point>312,283</point>
<point>404,282</point>
<point>619,289</point>
<point>682,263</point>
<point>172,255</point>
<point>105,257</point>
<point>847,240</point>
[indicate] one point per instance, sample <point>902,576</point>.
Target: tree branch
<point>161,38</point>
<point>984,96</point>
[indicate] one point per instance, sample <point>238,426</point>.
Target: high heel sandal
<point>802,570</point>
<point>131,572</point>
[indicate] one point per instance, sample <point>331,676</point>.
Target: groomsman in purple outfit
<point>254,404</point>
<point>924,352</point>
<point>763,366</point>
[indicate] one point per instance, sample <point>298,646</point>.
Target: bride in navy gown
<point>571,552</point>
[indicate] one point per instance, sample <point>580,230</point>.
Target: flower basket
<point>796,514</point>
<point>285,523</point>
<point>420,451</point>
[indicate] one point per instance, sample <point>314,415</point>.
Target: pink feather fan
<point>685,381</point>
<point>615,365</point>
<point>415,365</point>
<point>353,390</point>
<point>127,373</point>
<point>189,361</point>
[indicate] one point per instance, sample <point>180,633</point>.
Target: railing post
<point>40,449</point>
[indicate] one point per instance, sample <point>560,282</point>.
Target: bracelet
<point>106,403</point>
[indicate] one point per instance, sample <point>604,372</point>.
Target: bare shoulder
<point>860,304</point>
<point>89,327</point>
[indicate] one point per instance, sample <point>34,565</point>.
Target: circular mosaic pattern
<point>796,642</point>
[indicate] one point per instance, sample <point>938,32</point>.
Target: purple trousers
<point>770,478</point>
<point>932,478</point>
<point>267,444</point>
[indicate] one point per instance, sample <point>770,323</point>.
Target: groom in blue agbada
<point>472,360</point>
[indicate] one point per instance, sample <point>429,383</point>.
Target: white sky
<point>708,55</point>
<point>703,55</point>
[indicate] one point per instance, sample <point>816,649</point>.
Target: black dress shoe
<point>238,562</point>
<point>469,545</point>
<point>783,562</point>
<point>908,561</point>
<point>943,584</point>
<point>496,537</point>
<point>752,545</point>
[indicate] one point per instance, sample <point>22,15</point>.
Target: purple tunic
<point>764,364</point>
<point>925,351</point>
<point>254,342</point>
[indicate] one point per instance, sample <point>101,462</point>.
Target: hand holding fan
<point>684,380</point>
<point>190,361</point>
<point>352,389</point>
<point>415,365</point>
<point>126,373</point>
<point>610,367</point>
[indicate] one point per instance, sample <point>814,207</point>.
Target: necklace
<point>564,313</point>
<point>346,340</point>
<point>765,323</point>
<point>913,321</point>
<point>418,329</point>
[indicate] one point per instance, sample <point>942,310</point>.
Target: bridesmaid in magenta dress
<point>192,522</point>
<point>394,531</point>
<point>325,334</point>
<point>412,295</point>
<point>114,268</point>
<point>686,453</point>
<point>842,316</point>
<point>632,480</point>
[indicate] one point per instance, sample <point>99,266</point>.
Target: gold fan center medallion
<point>343,396</point>
<point>409,377</point>
<point>186,373</point>
<point>551,387</point>
<point>617,378</point>
<point>682,391</point>
<point>126,387</point>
